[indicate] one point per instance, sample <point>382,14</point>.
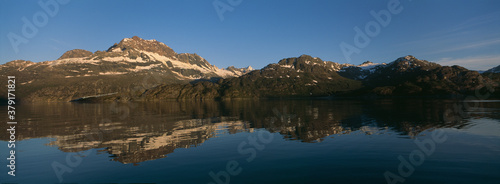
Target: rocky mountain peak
<point>305,62</point>
<point>139,44</point>
<point>367,63</point>
<point>301,60</point>
<point>409,57</point>
<point>405,64</point>
<point>370,65</point>
<point>18,63</point>
<point>136,38</point>
<point>410,62</point>
<point>76,53</point>
<point>240,70</point>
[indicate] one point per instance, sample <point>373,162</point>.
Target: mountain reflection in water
<point>136,132</point>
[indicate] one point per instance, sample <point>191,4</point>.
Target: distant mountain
<point>411,76</point>
<point>76,53</point>
<point>239,71</point>
<point>306,76</point>
<point>130,66</point>
<point>494,74</point>
<point>361,71</point>
<point>493,70</point>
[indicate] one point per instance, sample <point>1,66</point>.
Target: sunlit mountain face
<point>128,67</point>
<point>136,69</point>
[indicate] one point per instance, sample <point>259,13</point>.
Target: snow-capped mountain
<point>132,55</point>
<point>361,71</point>
<point>307,76</point>
<point>400,65</point>
<point>131,64</point>
<point>138,69</point>
<point>411,76</point>
<point>302,76</point>
<point>306,61</point>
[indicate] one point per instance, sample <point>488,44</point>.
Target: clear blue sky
<point>259,32</point>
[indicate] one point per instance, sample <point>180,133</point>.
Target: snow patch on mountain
<point>112,73</point>
<point>361,71</point>
<point>149,67</point>
<point>185,77</point>
<point>179,64</point>
<point>70,61</point>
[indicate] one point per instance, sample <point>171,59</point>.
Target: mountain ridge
<point>139,69</point>
<point>132,65</point>
<point>307,76</point>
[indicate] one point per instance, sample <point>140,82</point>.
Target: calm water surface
<point>299,141</point>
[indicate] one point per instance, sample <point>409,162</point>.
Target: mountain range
<point>138,69</point>
<point>127,67</point>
